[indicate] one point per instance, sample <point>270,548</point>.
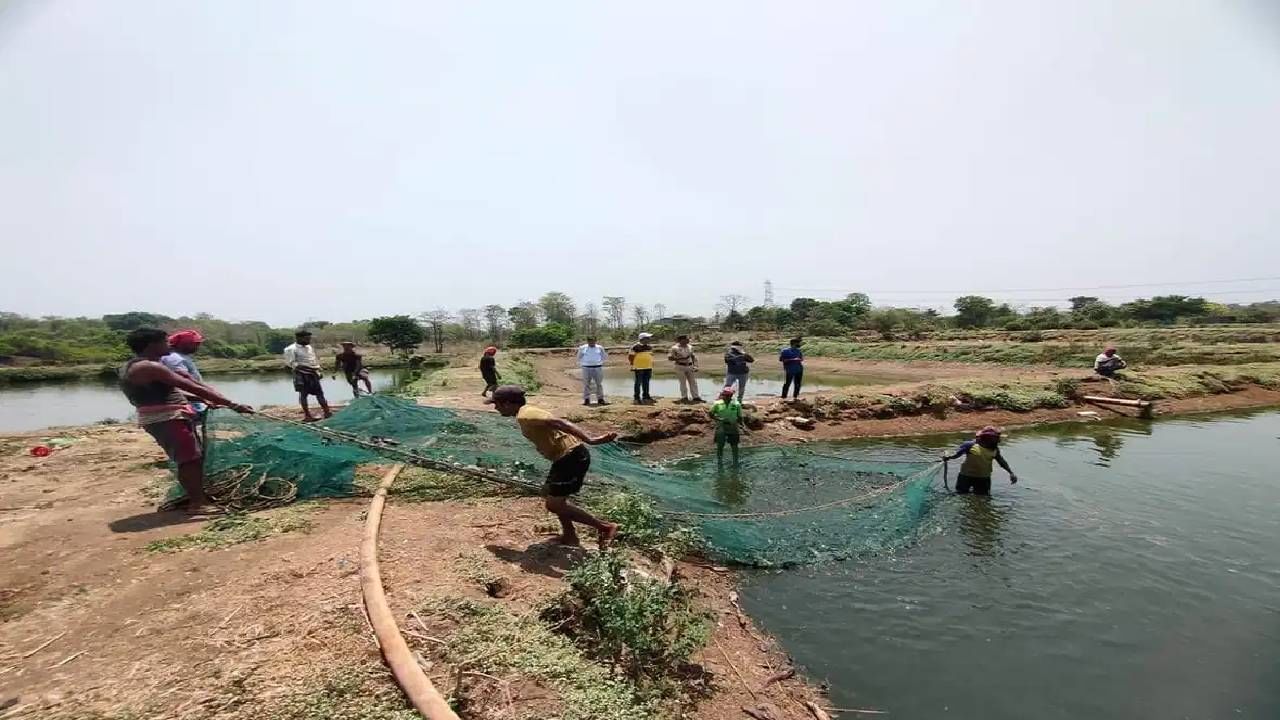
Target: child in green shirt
<point>727,413</point>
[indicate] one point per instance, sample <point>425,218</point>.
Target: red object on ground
<point>41,451</point>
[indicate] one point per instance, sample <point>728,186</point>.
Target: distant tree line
<point>87,340</point>
<point>555,320</point>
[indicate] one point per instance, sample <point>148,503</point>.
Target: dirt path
<point>96,626</point>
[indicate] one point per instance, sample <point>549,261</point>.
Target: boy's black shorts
<point>568,472</point>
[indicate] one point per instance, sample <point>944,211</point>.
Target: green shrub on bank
<point>493,640</point>
<point>643,626</point>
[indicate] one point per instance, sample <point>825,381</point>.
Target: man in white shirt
<point>301,359</point>
<point>1108,363</point>
<point>591,359</point>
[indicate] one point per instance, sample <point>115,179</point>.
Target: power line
<point>1049,289</point>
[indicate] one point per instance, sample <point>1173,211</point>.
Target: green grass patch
<point>1027,395</point>
<point>416,484</point>
<point>518,370</point>
<point>643,527</point>
<point>490,639</point>
<point>351,693</point>
<point>1191,382</point>
<point>1016,351</point>
<point>236,528</point>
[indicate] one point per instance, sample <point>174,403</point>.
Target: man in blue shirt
<point>793,365</point>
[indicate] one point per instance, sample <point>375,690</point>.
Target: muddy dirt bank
<point>96,625</point>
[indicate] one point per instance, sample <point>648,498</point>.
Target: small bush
<point>645,628</point>
<point>642,525</point>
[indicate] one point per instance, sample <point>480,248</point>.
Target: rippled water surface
<point>1134,572</point>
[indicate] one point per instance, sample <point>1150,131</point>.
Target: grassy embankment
<point>513,368</point>
<point>1060,354</point>
<point>610,643</point>
<point>208,366</point>
<point>1025,395</point>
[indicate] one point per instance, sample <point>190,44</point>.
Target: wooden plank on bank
<point>1117,401</point>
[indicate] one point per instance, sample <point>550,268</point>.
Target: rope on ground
<point>237,489</point>
<point>810,508</point>
<point>408,674</point>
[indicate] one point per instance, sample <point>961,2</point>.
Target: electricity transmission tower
<point>768,293</point>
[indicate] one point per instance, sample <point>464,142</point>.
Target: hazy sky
<point>290,160</point>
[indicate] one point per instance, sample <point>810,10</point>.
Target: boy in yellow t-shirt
<point>561,442</point>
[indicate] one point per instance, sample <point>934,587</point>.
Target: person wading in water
<point>301,359</point>
<point>163,410</point>
<point>561,442</point>
<point>351,363</point>
<point>978,454</point>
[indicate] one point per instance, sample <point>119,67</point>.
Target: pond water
<point>1132,573</point>
<point>619,382</point>
<point>31,406</point>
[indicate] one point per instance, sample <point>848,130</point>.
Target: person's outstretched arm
<point>1013,478</point>
<point>567,427</point>
<point>964,448</point>
<point>155,372</point>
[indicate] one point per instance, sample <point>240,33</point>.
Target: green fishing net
<point>780,505</point>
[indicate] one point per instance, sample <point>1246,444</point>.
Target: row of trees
<point>85,340</point>
<point>555,320</point>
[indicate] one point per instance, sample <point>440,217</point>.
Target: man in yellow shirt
<point>641,359</point>
<point>978,454</point>
<point>561,442</point>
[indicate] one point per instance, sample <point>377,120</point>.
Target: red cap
<point>989,431</point>
<point>186,337</point>
<point>727,391</point>
<point>491,350</point>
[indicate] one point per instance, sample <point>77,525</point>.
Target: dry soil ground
<point>97,626</point>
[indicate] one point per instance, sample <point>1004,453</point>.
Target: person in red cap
<point>489,370</point>
<point>158,394</point>
<point>182,345</point>
<point>979,453</point>
<point>351,363</point>
<point>564,444</point>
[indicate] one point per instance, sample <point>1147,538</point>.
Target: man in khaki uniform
<point>686,369</point>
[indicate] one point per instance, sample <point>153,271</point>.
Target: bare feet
<point>607,534</point>
<point>203,510</point>
<point>567,541</point>
<point>310,418</point>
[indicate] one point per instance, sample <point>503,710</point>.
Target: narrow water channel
<point>32,406</point>
<point>1132,573</point>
